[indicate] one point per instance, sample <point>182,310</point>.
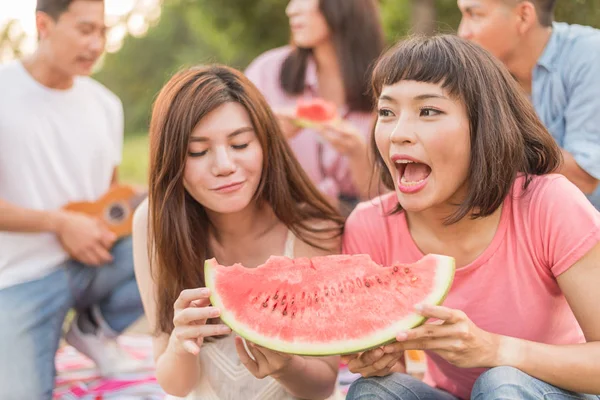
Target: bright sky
<point>24,12</point>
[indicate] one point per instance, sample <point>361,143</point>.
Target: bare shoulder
<point>140,239</point>
<point>319,238</point>
<point>140,217</point>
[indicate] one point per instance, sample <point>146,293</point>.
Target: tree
<point>12,38</point>
<point>236,31</point>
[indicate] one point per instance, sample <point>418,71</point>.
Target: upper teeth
<point>404,162</point>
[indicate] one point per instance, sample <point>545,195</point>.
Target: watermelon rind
<point>305,123</point>
<point>444,276</point>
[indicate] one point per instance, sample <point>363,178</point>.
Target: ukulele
<point>115,208</point>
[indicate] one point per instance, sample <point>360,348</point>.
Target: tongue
<point>415,172</point>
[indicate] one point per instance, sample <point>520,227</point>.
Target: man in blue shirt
<point>558,66</point>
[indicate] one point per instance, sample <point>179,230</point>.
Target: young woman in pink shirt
<point>472,169</point>
<point>334,45</point>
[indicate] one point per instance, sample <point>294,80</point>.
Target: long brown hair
<point>507,137</point>
<point>180,227</point>
<point>357,35</point>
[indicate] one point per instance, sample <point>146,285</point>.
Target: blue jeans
<point>497,383</point>
<point>32,315</point>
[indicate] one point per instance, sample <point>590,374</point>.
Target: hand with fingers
<point>375,362</point>
<point>264,362</point>
<point>85,238</point>
<point>344,137</point>
<point>192,310</point>
<point>286,118</point>
<point>456,339</point>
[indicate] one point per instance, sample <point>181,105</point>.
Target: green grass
<point>134,167</point>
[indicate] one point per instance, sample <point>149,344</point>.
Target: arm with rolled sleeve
<point>581,146</point>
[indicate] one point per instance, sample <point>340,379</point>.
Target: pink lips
<point>230,187</point>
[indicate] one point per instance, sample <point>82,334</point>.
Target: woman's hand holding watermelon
<point>344,137</point>
<point>375,362</point>
<point>192,310</point>
<point>266,362</point>
<point>286,118</point>
<point>457,339</point>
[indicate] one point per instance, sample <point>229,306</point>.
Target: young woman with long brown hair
<point>334,44</point>
<point>223,184</point>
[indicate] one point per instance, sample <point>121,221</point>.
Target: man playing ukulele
<point>61,137</point>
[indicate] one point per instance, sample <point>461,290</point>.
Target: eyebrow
<point>424,96</point>
<point>471,7</point>
<point>89,23</point>
<point>232,134</point>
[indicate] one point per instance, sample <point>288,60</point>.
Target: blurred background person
<point>61,136</point>
<point>333,46</point>
<point>558,66</point>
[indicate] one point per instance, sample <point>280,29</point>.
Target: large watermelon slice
<point>315,111</point>
<point>326,305</point>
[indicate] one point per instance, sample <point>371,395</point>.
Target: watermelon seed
<point>395,269</point>
<point>326,291</point>
<point>378,280</point>
<point>284,312</point>
<point>293,314</point>
<point>367,284</point>
<point>341,290</point>
<point>276,296</point>
<point>274,307</point>
<point>266,304</point>
<point>283,300</point>
<point>406,270</point>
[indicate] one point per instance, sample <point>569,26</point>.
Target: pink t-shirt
<point>511,288</point>
<point>327,168</point>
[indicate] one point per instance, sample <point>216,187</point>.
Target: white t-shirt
<point>56,146</point>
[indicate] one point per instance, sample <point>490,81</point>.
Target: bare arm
<point>349,141</point>
<point>570,169</point>
<point>83,238</point>
<point>320,372</point>
<point>18,219</point>
<point>572,367</point>
<point>176,372</point>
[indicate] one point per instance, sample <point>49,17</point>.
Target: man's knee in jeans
<point>122,251</point>
<point>32,314</point>
<point>392,387</point>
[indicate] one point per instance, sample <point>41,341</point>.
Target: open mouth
<point>412,175</point>
<point>411,172</point>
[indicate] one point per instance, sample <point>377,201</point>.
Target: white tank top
<point>224,377</point>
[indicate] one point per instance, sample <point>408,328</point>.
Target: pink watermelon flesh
<point>326,305</point>
<point>310,112</point>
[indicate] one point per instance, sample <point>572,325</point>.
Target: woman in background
<point>334,44</point>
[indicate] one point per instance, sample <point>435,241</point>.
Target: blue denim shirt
<point>566,94</point>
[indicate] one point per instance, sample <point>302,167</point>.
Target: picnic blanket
<point>77,379</point>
